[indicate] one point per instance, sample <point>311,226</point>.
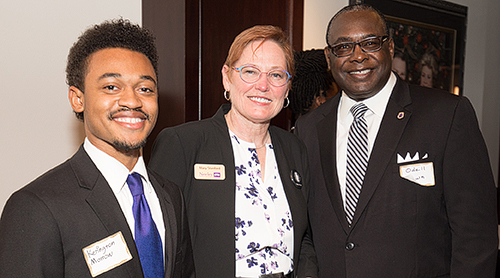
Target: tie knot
<point>135,184</point>
<point>358,110</point>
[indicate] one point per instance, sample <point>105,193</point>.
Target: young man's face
<point>120,102</point>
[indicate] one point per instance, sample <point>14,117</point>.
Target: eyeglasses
<point>250,74</point>
<point>368,45</point>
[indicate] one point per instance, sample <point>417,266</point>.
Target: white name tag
<point>422,173</point>
<point>106,254</point>
<point>209,172</point>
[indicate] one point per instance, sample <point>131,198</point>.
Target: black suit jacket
<point>400,228</point>
<point>46,224</point>
<point>210,204</point>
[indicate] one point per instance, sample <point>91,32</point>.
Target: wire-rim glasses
<point>251,74</point>
<point>371,44</point>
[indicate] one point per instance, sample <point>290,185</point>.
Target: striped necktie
<point>357,159</point>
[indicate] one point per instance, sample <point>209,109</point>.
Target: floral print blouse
<point>263,222</point>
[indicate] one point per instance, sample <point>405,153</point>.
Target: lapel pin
<point>401,115</point>
<point>296,179</point>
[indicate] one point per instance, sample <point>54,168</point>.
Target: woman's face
<point>399,67</point>
<point>426,77</point>
<point>258,102</point>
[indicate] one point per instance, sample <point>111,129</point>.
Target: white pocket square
<point>409,158</point>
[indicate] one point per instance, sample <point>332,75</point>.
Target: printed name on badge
<point>209,172</point>
<point>421,173</point>
<point>106,254</point>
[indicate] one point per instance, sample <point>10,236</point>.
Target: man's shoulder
<point>59,174</point>
<point>429,106</point>
<point>54,186</point>
<point>311,118</point>
<point>432,95</point>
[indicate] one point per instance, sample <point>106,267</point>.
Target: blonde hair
<point>429,61</point>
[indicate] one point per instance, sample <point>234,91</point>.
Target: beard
<point>126,147</point>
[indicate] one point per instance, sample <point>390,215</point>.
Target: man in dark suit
<point>102,212</point>
<point>425,205</point>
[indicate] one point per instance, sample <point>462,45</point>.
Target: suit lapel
<point>327,139</point>
<point>170,222</point>
<point>296,198</point>
<point>106,207</point>
<point>390,132</point>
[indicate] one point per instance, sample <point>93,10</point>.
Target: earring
<point>226,95</point>
<point>287,102</point>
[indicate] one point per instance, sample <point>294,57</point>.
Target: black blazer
<point>210,204</point>
<point>400,228</point>
<point>46,224</point>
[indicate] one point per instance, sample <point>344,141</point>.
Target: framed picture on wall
<point>429,40</point>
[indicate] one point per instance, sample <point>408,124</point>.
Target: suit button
<point>350,246</point>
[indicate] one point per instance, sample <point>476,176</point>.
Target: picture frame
<point>429,35</point>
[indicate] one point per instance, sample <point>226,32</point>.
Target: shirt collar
<point>114,171</point>
<point>376,103</point>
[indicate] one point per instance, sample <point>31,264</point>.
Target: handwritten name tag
<point>422,173</point>
<point>209,172</point>
<point>106,254</point>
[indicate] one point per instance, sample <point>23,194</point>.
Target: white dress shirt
<point>376,108</point>
<point>116,175</point>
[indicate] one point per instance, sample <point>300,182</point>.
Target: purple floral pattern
<point>263,222</point>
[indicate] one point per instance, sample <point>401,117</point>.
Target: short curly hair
<point>119,33</point>
<point>356,8</point>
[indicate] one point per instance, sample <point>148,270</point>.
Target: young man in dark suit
<point>401,184</point>
<point>102,212</point>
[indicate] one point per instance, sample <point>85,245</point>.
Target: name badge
<point>422,173</point>
<point>106,254</point>
<point>209,172</point>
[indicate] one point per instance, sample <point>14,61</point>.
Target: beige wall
<point>38,129</point>
<point>481,80</point>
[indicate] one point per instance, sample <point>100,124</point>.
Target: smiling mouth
<point>126,115</point>
<point>360,72</point>
<point>260,99</point>
<point>129,120</point>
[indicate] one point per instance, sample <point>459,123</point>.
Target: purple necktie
<point>147,238</point>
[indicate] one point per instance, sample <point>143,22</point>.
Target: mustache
<point>146,115</point>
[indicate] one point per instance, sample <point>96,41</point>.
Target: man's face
<point>361,75</point>
<point>120,102</point>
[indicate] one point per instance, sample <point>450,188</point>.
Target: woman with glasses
<point>245,181</point>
